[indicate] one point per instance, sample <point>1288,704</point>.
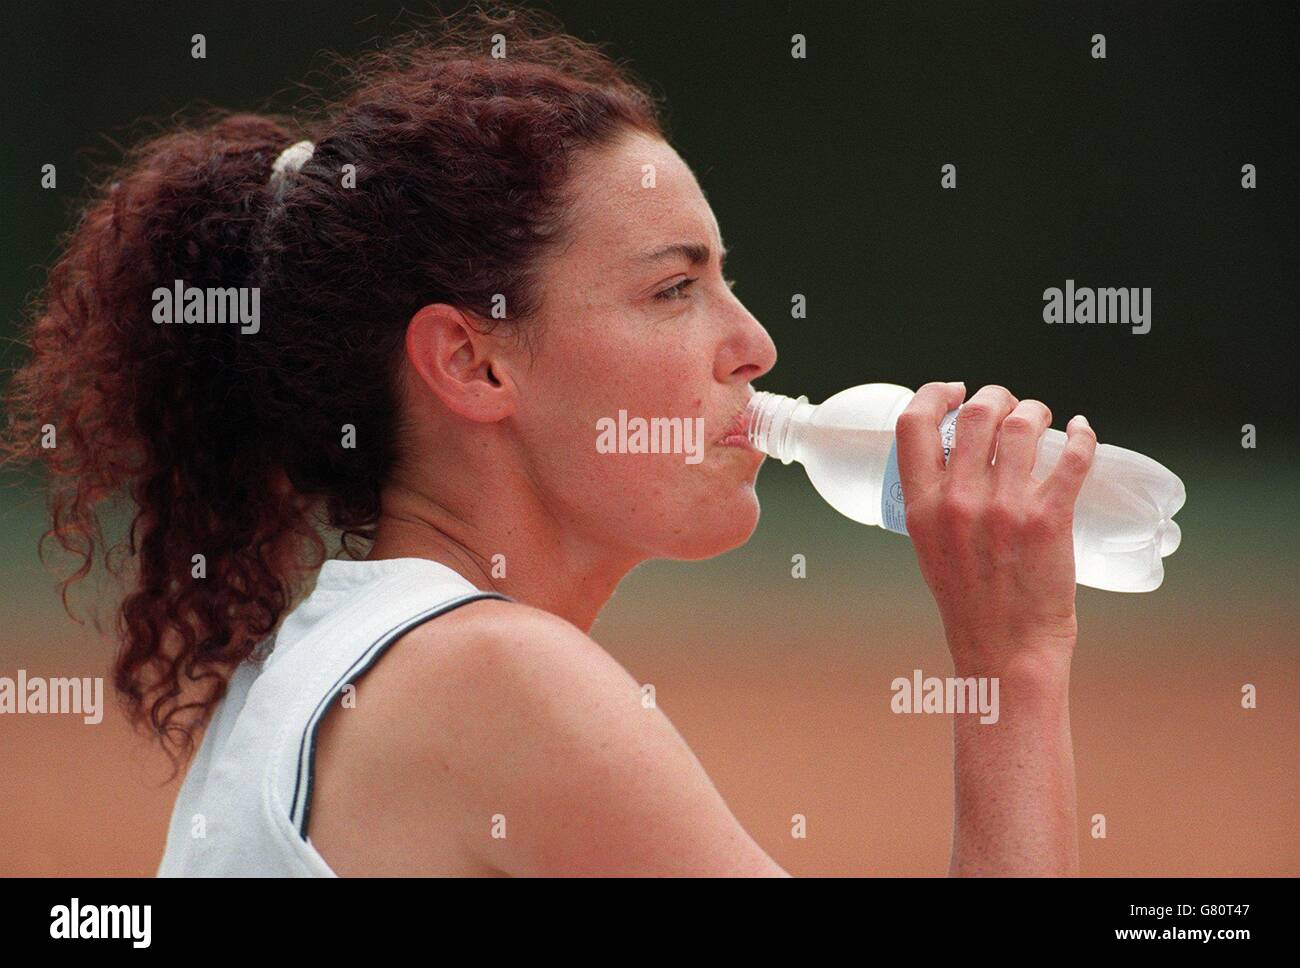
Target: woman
<point>468,263</point>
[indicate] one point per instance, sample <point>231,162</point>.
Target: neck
<point>523,554</point>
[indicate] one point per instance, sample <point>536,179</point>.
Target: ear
<point>463,367</point>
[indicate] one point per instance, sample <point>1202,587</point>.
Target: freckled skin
<point>526,714</point>
<point>609,346</point>
<point>500,458</point>
<point>509,464</point>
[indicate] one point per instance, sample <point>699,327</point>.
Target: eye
<point>675,292</point>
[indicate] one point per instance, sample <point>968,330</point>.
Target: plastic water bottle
<point>1123,519</point>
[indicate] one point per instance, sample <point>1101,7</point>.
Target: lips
<point>735,431</point>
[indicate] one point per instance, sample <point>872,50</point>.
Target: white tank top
<point>243,807</point>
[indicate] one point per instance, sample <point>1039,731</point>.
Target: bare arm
<point>996,548</point>
<point>1015,798</point>
<point>560,768</point>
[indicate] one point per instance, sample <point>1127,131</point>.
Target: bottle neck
<point>773,423</point>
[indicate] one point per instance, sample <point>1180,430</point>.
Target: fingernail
<point>1082,419</point>
<point>958,384</point>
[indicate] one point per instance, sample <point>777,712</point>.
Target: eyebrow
<point>695,253</point>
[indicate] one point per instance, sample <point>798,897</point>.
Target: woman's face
<point>659,337</point>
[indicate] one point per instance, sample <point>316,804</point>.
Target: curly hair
<point>229,444</point>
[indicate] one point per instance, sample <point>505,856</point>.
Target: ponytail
<point>235,443</point>
<point>157,409</point>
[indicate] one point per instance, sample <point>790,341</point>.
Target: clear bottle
<point>1123,520</point>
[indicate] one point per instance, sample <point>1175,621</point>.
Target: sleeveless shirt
<point>243,806</point>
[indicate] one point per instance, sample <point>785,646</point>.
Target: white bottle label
<point>893,516</point>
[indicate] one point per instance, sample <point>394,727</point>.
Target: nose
<point>748,352</point>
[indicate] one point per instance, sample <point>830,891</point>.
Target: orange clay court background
<point>824,177</point>
<point>781,686</point>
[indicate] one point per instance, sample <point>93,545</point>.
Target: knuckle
<point>976,412</point>
<point>1041,524</point>
<point>1019,423</point>
<point>956,511</point>
<point>908,421</point>
<point>1000,393</point>
<point>1075,461</point>
<point>1003,515</point>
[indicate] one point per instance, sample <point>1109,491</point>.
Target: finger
<point>1017,446</point>
<point>977,430</point>
<point>920,452</point>
<point>1062,486</point>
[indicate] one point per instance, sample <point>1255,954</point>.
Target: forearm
<point>1015,807</point>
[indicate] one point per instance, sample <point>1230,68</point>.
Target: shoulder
<point>501,648</point>
<point>502,675</point>
<point>555,762</point>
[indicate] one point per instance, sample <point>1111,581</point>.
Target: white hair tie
<point>290,160</point>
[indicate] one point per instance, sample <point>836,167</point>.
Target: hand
<point>995,545</point>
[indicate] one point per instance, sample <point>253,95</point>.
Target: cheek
<point>603,361</point>
<point>588,377</point>
<point>662,387</point>
<point>655,503</point>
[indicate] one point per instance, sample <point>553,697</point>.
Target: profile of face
<point>628,326</point>
<point>636,324</point>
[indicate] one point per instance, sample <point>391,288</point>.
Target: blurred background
<point>824,174</point>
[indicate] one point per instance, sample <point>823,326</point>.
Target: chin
<point>721,527</point>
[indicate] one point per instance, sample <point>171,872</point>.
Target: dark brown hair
<point>230,444</point>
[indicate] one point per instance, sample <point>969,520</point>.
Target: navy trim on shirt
<point>307,745</point>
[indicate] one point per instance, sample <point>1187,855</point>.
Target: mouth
<point>736,432</point>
